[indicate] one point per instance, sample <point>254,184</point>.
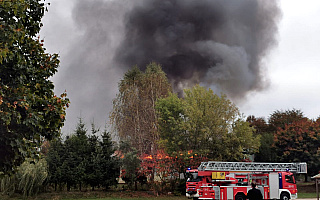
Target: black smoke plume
<point>215,43</point>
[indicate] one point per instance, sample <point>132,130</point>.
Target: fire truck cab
<point>232,180</point>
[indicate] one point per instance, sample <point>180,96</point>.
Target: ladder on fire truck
<point>253,166</point>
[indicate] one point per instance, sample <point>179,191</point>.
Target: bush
<point>29,179</point>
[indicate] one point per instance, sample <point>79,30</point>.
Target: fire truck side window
<point>289,179</point>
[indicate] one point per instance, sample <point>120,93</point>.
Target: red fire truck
<point>232,180</point>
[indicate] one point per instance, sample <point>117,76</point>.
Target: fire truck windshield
<point>289,178</point>
<point>193,177</point>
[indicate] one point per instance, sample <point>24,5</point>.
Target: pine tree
<point>110,166</point>
<point>55,159</point>
<point>92,159</point>
<point>74,163</point>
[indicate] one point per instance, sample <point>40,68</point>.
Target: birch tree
<point>134,117</point>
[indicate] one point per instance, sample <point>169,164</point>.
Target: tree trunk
<point>305,177</point>
<point>135,185</point>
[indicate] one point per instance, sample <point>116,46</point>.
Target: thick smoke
<point>216,43</point>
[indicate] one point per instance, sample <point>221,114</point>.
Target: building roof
<point>316,176</point>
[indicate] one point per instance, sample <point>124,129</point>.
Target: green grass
<point>114,197</point>
<point>301,196</point>
<point>140,198</point>
<point>97,195</point>
<point>105,198</point>
<point>306,195</point>
<point>305,190</point>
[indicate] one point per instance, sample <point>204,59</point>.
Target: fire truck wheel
<point>195,198</point>
<point>240,197</point>
<point>284,196</point>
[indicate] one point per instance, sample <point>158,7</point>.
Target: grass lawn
<point>97,195</point>
<point>98,198</point>
<point>114,196</point>
<point>306,195</point>
<point>140,198</point>
<point>305,190</point>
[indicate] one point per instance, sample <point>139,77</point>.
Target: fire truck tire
<point>284,196</point>
<point>240,197</point>
<point>195,198</point>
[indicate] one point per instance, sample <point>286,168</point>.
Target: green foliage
<point>101,166</point>
<point>29,178</point>
<point>55,160</point>
<point>130,163</point>
<point>205,123</point>
<point>266,150</point>
<point>108,161</point>
<point>171,123</point>
<point>83,160</point>
<point>29,109</point>
<point>92,158</point>
<point>134,116</point>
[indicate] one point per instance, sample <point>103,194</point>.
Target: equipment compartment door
<point>274,185</point>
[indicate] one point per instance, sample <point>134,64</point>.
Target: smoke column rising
<point>216,43</point>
